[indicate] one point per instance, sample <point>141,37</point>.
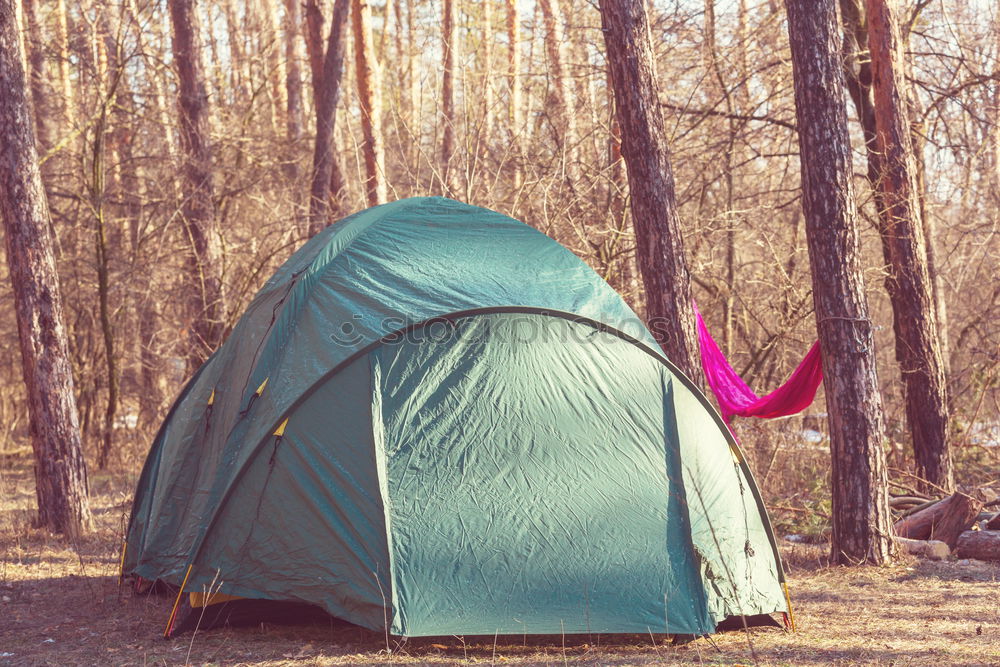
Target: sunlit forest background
<point>534,138</point>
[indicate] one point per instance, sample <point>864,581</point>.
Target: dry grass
<point>60,605</point>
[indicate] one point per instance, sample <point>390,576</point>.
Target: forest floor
<point>60,605</point>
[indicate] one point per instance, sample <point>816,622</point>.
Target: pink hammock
<point>736,398</point>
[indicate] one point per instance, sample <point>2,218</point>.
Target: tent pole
<point>121,566</point>
<point>173,612</point>
<point>788,601</point>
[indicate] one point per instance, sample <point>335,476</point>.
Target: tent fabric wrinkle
<point>737,399</point>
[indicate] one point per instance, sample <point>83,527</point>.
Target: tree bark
<point>324,204</point>
<point>449,185</point>
<point>860,517</point>
<point>918,347</point>
<point>370,100</point>
<point>892,174</point>
<point>314,44</point>
<point>206,299</point>
<point>659,245</point>
<point>60,470</point>
<point>40,98</point>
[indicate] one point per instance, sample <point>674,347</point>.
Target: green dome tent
<point>435,420</point>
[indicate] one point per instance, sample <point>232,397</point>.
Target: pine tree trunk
<point>40,99</point>
<point>659,246</point>
<point>859,82</point>
<point>314,46</point>
<point>861,522</point>
<point>206,299</point>
<point>918,347</point>
<point>370,100</point>
<point>449,185</point>
<point>323,203</point>
<point>60,470</point>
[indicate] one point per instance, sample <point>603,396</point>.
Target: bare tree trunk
<point>60,469</point>
<point>65,84</point>
<point>277,74</point>
<point>151,374</point>
<point>514,75</point>
<point>861,523</point>
<point>918,347</point>
<point>293,70</point>
<point>659,245</point>
<point>860,79</point>
<point>101,255</point>
<point>323,203</point>
<point>370,99</point>
<point>415,88</point>
<point>206,297</point>
<point>386,13</point>
<point>712,65</point>
<point>36,63</point>
<point>563,124</point>
<point>314,44</point>
<point>488,75</point>
<point>448,183</point>
<point>241,76</point>
<point>994,174</point>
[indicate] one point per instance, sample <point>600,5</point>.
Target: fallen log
<point>979,544</point>
<point>994,523</point>
<point>942,521</point>
<point>905,501</point>
<point>932,549</point>
<point>918,508</point>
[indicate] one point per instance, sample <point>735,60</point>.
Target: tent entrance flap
<point>506,463</point>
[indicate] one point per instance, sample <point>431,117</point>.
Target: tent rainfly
<point>435,420</point>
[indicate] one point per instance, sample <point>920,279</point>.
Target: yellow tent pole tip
<point>121,564</point>
<point>173,612</point>
<point>788,601</point>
